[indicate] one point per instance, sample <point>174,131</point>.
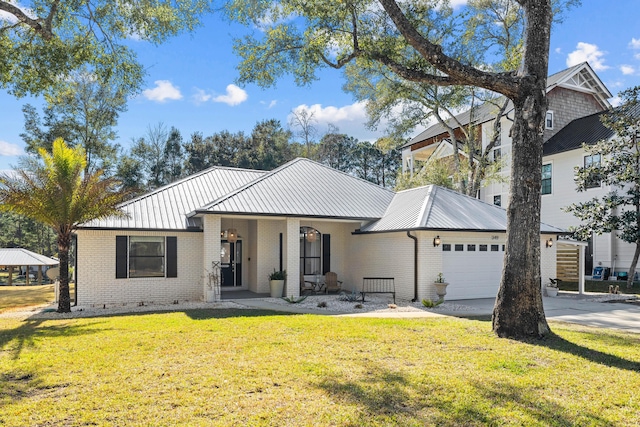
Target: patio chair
<point>331,282</point>
<point>306,285</point>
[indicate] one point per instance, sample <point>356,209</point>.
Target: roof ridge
<point>276,171</point>
<point>186,179</point>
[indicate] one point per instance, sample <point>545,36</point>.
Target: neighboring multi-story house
<point>576,97</point>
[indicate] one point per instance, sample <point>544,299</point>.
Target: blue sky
<point>190,81</point>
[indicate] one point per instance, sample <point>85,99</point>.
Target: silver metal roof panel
<point>20,256</point>
<point>166,208</point>
<point>303,187</point>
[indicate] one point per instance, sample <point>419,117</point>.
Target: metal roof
<point>437,208</point>
<point>166,208</point>
<point>306,188</point>
<point>20,257</point>
<point>588,81</point>
<point>585,130</point>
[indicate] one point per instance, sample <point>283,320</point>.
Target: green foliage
<point>39,53</point>
<point>83,111</point>
<point>278,275</point>
<point>436,171</point>
<point>19,231</point>
<point>55,191</point>
<point>430,303</point>
<point>618,211</point>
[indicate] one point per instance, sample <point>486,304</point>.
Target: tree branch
<point>458,73</point>
<point>36,24</point>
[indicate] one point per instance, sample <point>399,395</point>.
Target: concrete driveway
<point>573,308</point>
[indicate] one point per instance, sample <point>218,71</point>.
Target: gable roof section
<point>308,189</point>
<point>580,77</point>
<point>585,130</point>
<point>166,208</point>
<point>20,256</point>
<point>437,208</point>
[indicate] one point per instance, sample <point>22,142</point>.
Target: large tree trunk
<point>634,263</point>
<point>64,299</point>
<point>518,312</point>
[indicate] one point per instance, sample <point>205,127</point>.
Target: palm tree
<point>55,190</point>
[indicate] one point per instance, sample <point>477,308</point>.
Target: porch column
<point>581,249</point>
<point>211,256</point>
<point>292,257</point>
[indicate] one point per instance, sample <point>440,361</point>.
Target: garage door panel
<point>472,274</point>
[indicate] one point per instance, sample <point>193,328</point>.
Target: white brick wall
<point>96,273</point>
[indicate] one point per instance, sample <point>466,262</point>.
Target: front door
<point>231,262</point>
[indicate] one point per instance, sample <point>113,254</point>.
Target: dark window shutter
<point>326,253</point>
<point>121,257</point>
<point>172,256</point>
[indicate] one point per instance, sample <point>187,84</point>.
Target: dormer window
<point>548,121</point>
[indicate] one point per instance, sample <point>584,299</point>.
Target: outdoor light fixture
<point>232,235</point>
<point>550,242</point>
<point>312,235</point>
<point>437,241</point>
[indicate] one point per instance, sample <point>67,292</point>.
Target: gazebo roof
<point>19,256</point>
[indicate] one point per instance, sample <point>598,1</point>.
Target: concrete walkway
<point>566,307</point>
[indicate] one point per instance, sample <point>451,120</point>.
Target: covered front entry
<point>231,263</point>
<point>472,270</point>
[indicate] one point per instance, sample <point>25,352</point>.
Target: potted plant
<point>441,287</point>
<point>552,288</point>
<point>276,282</point>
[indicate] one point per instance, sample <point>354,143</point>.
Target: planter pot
<point>552,292</point>
<point>441,289</point>
<point>277,287</point>
<point>209,295</point>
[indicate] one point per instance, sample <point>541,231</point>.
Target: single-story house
<point>303,217</point>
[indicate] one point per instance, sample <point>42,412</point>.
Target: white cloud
<point>272,104</point>
<point>587,52</point>
<point>634,43</point>
<point>615,101</point>
<point>163,91</point>
<point>200,96</point>
<point>558,50</point>
<point>8,149</point>
<point>627,70</point>
<point>11,19</point>
<point>458,3</point>
<point>234,96</point>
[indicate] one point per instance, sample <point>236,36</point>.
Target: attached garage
<point>472,270</point>
<point>456,235</point>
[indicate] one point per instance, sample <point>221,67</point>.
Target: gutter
<point>415,266</point>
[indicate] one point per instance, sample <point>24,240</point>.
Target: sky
<point>190,82</point>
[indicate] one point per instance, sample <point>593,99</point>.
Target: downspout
<point>415,266</point>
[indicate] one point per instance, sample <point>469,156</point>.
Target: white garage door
<point>472,270</point>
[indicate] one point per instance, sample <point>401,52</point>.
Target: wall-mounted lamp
<point>550,242</point>
<point>232,235</point>
<point>312,235</point>
<point>437,241</point>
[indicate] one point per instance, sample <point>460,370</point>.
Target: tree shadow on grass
<point>393,397</point>
<point>25,335</point>
<point>558,343</point>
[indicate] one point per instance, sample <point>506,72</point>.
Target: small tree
<point>56,191</point>
<point>619,167</point>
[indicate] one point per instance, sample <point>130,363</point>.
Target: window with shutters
<point>146,256</point>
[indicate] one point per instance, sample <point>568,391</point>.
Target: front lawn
<point>228,367</point>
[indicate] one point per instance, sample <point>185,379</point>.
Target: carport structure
<point>19,257</point>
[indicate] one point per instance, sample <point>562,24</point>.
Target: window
<point>495,248</point>
<point>471,248</point>
<point>483,248</point>
<point>548,120</point>
<point>594,162</point>
<point>497,154</point>
<point>546,178</point>
<point>146,256</point>
<point>310,251</point>
<point>497,200</point>
<point>459,248</point>
<point>446,247</point>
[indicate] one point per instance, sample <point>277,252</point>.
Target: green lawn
<point>13,297</point>
<point>225,367</point>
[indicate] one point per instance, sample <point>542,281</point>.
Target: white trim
<point>543,165</point>
<point>546,126</point>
